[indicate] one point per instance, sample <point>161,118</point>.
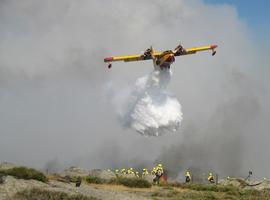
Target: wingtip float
<point>161,60</point>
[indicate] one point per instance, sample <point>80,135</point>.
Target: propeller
<point>179,50</point>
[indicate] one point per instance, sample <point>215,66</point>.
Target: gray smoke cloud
<point>219,146</point>
<point>54,104</point>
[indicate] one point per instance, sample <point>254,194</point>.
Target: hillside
<point>61,186</point>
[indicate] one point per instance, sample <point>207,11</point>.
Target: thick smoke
<point>52,80</point>
<point>150,109</point>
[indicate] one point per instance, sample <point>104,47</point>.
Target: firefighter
<point>123,171</point>
<point>158,174</point>
<point>130,171</point>
<point>145,172</point>
<point>116,172</point>
<point>249,176</point>
<point>78,182</point>
<point>159,167</point>
<point>154,170</point>
<point>188,177</point>
<point>211,178</point>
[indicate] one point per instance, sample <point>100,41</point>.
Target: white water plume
<point>150,109</point>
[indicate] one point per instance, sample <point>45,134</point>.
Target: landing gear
<point>109,65</point>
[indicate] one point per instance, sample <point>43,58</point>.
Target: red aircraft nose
<point>170,59</point>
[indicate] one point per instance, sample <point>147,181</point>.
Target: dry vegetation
<point>38,194</point>
<point>179,191</point>
<point>208,192</point>
<point>129,182</point>
<point>167,192</point>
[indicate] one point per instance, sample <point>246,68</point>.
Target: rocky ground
<point>12,185</point>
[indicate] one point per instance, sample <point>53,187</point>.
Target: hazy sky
<point>254,13</point>
<point>54,98</point>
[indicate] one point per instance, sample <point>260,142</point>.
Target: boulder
<point>103,174</point>
<point>12,185</point>
<point>237,182</point>
<point>259,185</point>
<point>75,172</point>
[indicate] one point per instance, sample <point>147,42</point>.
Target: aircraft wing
<point>135,57</point>
<point>130,58</point>
<point>201,48</point>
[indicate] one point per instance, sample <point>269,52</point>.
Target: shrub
<point>129,182</point>
<point>255,194</point>
<point>250,192</point>
<point>70,179</point>
<point>196,196</point>
<point>94,179</point>
<point>132,182</point>
<point>208,187</point>
<point>35,193</point>
<point>25,173</point>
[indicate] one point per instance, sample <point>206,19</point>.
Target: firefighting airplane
<point>161,60</point>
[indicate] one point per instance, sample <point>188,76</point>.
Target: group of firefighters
<point>157,172</point>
